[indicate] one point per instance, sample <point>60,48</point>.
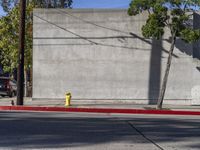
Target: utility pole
<point>20,71</point>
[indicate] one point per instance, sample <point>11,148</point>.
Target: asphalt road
<point>83,131</point>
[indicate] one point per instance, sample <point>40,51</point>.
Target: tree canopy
<point>172,14</point>
<point>52,3</point>
<point>8,4</point>
<point>9,31</point>
<point>9,38</point>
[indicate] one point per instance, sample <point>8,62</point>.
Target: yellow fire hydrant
<point>67,99</point>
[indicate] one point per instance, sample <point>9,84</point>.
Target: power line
<point>102,37</point>
<point>84,38</point>
<point>81,37</point>
<point>116,30</point>
<point>97,43</point>
<point>101,44</point>
<point>89,22</point>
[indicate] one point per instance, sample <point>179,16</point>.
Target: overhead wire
<point>89,22</point>
<point>81,37</point>
<point>66,30</point>
<point>104,27</point>
<point>92,42</point>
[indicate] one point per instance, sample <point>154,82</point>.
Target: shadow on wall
<point>156,51</point>
<point>198,68</point>
<point>155,71</point>
<point>155,78</point>
<point>156,62</point>
<point>196,45</point>
<point>155,67</point>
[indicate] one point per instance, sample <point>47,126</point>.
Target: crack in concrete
<point>144,136</point>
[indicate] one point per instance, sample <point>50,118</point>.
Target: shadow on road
<point>50,131</point>
<point>170,131</point>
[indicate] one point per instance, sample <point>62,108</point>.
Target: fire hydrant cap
<point>68,93</point>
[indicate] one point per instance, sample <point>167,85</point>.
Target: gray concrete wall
<point>102,55</point>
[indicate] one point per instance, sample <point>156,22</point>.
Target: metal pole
<point>20,71</point>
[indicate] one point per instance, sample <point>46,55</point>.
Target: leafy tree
<point>172,14</point>
<point>53,3</point>
<point>9,32</point>
<point>9,38</point>
<point>9,26</point>
<point>8,4</point>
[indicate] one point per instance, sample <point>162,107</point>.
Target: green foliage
<point>189,35</point>
<point>9,32</point>
<point>137,6</point>
<point>9,39</point>
<point>174,14</point>
<point>153,28</point>
<point>7,4</point>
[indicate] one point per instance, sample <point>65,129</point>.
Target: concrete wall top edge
<point>52,10</point>
<point>87,10</point>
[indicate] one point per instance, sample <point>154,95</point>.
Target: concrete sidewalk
<point>95,104</point>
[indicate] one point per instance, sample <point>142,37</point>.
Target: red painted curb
<point>100,110</point>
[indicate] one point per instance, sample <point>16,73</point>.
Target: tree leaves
<point>167,13</point>
<point>159,18</point>
<point>9,31</point>
<point>138,6</point>
<point>9,39</point>
<point>153,27</point>
<point>8,4</point>
<point>189,35</point>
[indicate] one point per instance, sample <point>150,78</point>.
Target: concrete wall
<point>102,55</point>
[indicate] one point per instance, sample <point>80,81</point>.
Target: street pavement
<point>90,131</point>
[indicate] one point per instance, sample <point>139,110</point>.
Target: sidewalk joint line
<point>148,139</point>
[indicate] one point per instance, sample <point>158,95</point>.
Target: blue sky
<point>95,4</point>
<point>1,12</point>
<point>101,3</point>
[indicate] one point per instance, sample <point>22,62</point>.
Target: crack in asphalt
<point>148,139</point>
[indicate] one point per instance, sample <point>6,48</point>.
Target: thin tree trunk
<point>164,82</point>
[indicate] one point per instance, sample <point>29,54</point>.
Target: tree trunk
<point>164,82</point>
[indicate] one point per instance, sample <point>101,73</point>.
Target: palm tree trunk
<point>164,82</point>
